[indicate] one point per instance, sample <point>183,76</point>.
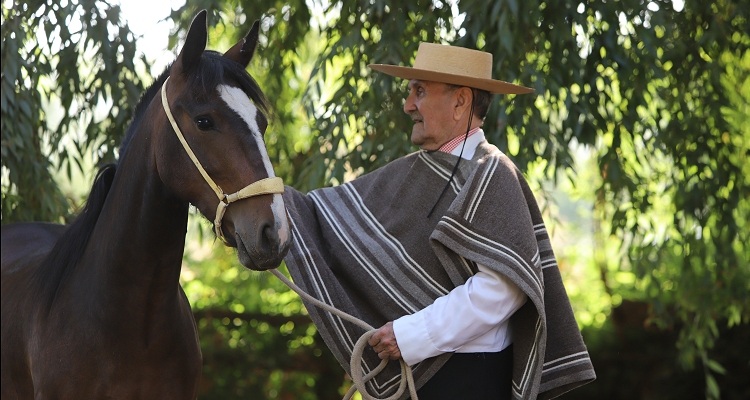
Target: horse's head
<point>219,110</point>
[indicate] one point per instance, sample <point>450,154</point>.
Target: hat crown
<point>454,60</point>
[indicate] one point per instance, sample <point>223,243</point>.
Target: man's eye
<point>204,123</point>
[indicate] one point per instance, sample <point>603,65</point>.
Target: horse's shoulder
<point>24,248</point>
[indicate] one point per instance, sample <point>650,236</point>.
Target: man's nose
<point>409,105</point>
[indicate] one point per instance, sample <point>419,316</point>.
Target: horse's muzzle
<point>267,250</point>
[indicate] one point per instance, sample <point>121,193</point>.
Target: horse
<point>95,309</point>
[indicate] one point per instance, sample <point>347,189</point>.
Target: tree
<point>78,57</point>
<point>658,91</point>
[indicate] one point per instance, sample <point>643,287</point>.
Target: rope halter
<point>271,185</point>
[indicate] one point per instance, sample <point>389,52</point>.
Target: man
<point>445,250</point>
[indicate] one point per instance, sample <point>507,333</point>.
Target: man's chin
<point>423,143</point>
<point>417,136</point>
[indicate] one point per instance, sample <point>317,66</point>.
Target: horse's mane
<point>140,109</point>
<point>67,252</point>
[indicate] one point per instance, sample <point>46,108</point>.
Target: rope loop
<point>355,362</point>
<point>360,380</point>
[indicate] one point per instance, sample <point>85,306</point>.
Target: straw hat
<point>454,65</point>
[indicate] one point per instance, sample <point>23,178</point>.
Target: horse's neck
<point>135,250</point>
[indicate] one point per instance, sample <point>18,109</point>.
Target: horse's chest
<point>105,364</point>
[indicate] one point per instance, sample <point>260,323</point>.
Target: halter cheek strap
<point>271,185</point>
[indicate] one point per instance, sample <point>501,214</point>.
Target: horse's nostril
<point>266,239</point>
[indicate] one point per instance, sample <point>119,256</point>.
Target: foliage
<point>77,56</point>
<point>256,337</point>
<point>637,363</point>
<point>674,190</point>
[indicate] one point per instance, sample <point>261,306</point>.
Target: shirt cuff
<point>413,340</point>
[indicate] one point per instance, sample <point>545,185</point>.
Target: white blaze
<point>238,101</point>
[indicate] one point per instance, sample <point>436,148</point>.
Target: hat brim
<point>490,85</point>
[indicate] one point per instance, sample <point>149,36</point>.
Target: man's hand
<point>384,343</point>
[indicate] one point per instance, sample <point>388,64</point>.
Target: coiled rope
<point>356,360</point>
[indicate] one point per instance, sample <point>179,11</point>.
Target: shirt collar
<point>476,136</point>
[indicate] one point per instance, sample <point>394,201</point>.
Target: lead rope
<point>356,359</point>
<point>271,185</point>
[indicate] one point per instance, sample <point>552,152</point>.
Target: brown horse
<point>95,309</point>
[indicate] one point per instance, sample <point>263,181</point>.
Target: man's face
<point>431,106</point>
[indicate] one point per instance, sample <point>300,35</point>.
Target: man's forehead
<point>413,83</point>
<point>420,83</point>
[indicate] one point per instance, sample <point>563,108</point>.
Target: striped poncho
<point>367,247</point>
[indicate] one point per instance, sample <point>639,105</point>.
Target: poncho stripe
<point>391,241</point>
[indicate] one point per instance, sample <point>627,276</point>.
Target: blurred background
<point>636,142</point>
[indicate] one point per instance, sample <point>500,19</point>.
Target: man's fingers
<point>384,343</point>
<point>387,351</point>
<point>389,354</point>
<point>375,339</point>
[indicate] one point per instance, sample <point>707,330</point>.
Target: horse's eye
<point>204,123</point>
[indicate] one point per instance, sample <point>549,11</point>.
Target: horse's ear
<point>242,52</point>
<point>195,43</point>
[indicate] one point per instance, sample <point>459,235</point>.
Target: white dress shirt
<point>472,318</point>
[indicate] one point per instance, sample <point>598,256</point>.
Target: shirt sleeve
<point>486,299</point>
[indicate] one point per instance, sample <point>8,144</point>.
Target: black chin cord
<point>455,167</point>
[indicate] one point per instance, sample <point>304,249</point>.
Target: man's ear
<point>195,43</point>
<point>463,99</point>
<point>242,52</point>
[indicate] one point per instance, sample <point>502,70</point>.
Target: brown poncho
<point>363,248</point>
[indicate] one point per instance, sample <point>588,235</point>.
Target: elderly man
<point>444,249</point>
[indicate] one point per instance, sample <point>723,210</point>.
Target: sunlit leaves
<point>78,57</point>
<point>256,338</point>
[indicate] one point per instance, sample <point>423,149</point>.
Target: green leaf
<point>712,388</point>
<point>716,367</point>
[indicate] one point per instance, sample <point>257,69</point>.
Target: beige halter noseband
<point>270,185</point>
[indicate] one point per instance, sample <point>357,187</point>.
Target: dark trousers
<point>468,376</point>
